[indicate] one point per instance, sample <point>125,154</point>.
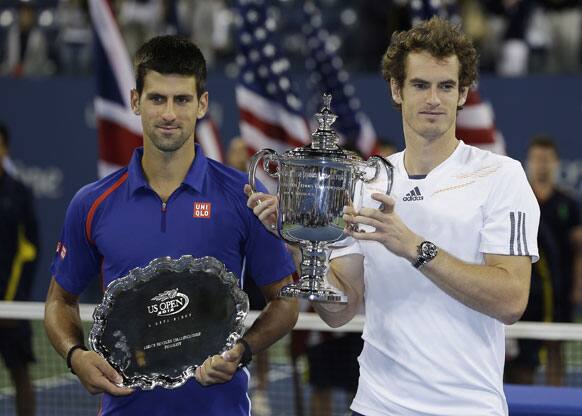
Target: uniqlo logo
<point>202,209</point>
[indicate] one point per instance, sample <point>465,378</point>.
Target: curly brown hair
<point>439,38</point>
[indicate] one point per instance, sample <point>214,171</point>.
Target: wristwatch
<point>426,252</point>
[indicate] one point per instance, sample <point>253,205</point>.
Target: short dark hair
<point>170,54</point>
<point>543,140</point>
<point>440,39</point>
<point>5,134</point>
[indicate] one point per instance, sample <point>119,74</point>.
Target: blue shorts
<point>16,343</point>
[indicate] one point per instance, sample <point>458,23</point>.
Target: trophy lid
<point>325,138</point>
<point>324,141</point>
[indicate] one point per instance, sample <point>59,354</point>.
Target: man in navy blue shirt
<point>170,201</point>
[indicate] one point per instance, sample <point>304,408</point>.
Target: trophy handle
<point>378,162</point>
<point>269,155</point>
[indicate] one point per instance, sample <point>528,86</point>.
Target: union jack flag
<point>119,130</point>
<point>476,122</point>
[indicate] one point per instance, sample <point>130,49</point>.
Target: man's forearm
<point>333,314</point>
<point>347,274</point>
<point>62,322</point>
<point>493,289</point>
<point>63,326</point>
<point>274,322</point>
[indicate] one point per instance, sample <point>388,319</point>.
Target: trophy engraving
<point>160,322</point>
<point>315,182</point>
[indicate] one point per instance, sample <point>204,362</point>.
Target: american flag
<point>119,129</point>
<point>476,122</point>
<point>328,76</point>
<point>271,113</point>
<point>208,137</point>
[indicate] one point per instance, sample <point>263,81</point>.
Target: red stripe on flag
<point>476,136</point>
<point>271,130</point>
<point>473,97</point>
<point>116,143</point>
<point>217,139</point>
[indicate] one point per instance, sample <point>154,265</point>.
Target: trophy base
<point>313,290</point>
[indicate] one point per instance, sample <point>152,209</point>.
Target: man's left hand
<point>220,368</point>
<point>390,230</point>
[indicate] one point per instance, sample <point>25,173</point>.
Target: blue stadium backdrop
<point>54,141</point>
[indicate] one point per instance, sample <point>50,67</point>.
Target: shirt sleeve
<point>267,257</point>
<point>77,261</point>
<point>511,215</point>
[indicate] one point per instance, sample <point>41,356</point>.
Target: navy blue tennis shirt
<point>119,223</point>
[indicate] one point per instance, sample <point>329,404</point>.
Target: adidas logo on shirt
<point>413,195</point>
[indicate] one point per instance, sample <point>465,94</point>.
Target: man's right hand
<point>265,207</point>
<point>96,374</point>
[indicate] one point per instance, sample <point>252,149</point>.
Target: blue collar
<point>194,178</point>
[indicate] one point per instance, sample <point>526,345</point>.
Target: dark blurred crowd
<point>515,37</point>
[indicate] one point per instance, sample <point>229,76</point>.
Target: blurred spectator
<point>377,20</point>
<point>504,48</point>
<point>237,154</point>
<point>18,259</point>
<point>513,36</point>
<point>140,20</point>
<point>474,20</point>
<point>26,51</point>
<point>208,22</point>
<point>561,213</point>
<point>562,21</point>
<point>74,38</point>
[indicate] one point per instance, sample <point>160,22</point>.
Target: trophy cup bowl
<point>315,182</point>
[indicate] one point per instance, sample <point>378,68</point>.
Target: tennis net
<point>286,371</point>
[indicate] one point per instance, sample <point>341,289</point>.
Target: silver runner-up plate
<point>156,325</point>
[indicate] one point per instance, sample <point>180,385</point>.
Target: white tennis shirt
<point>426,353</point>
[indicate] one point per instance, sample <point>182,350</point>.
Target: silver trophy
<point>315,183</point>
<point>159,322</point>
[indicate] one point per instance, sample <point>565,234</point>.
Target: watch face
<point>429,250</point>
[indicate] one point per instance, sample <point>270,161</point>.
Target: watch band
<point>247,356</point>
<point>70,355</point>
<point>420,261</point>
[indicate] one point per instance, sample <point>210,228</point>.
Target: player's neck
<point>423,155</point>
<point>165,171</point>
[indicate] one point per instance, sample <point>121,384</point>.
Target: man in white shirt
<point>446,259</point>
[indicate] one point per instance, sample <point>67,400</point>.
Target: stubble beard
<point>169,144</point>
